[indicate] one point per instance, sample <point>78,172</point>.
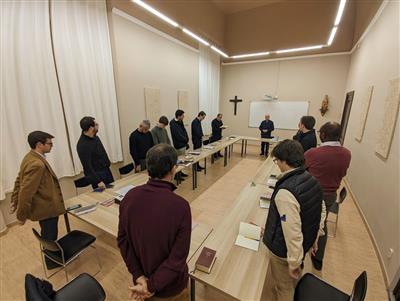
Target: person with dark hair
<point>216,132</point>
<point>159,132</point>
<point>295,220</point>
<point>37,193</point>
<point>328,164</point>
<point>179,135</point>
<point>140,141</point>
<point>306,134</point>
<point>153,245</point>
<point>197,134</point>
<point>266,127</point>
<point>93,156</point>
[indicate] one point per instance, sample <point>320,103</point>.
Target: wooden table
<point>259,139</point>
<point>237,272</point>
<point>106,218</point>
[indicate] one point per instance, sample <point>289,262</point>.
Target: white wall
<point>375,182</point>
<point>145,59</point>
<point>303,79</point>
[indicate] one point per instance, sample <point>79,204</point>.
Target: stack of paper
<point>208,147</point>
<point>249,236</point>
<point>271,182</point>
<point>120,194</point>
<point>195,153</point>
<point>86,209</point>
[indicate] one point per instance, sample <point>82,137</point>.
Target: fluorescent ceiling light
<point>249,55</point>
<point>156,12</point>
<point>219,51</point>
<point>340,12</point>
<point>300,49</point>
<point>188,32</point>
<point>332,36</point>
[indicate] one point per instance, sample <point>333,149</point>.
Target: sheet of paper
<point>124,190</point>
<point>247,243</point>
<point>272,182</point>
<point>250,231</point>
<point>264,204</point>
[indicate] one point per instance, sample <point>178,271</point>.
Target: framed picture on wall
<point>346,114</point>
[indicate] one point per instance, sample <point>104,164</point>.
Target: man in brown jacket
<point>37,193</point>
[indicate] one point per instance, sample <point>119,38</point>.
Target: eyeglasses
<point>49,143</point>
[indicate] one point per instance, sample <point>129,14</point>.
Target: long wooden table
<point>106,218</point>
<point>245,139</point>
<point>238,272</point>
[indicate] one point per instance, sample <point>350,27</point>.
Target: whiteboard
<point>285,114</point>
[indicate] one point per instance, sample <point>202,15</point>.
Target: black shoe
<point>262,154</point>
<point>199,169</point>
<point>179,179</point>
<point>266,155</point>
<point>317,264</point>
<point>184,175</point>
<point>221,156</point>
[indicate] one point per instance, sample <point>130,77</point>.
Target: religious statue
<point>324,105</point>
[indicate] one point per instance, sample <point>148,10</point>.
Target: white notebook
<point>264,204</point>
<point>272,182</point>
<point>249,236</point>
<point>120,194</point>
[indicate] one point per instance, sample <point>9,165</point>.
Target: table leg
<point>192,289</point>
<point>212,159</point>
<point>194,173</point>
<point>225,156</point>
<point>241,151</point>
<point>205,166</point>
<point>245,148</point>
<point>67,222</point>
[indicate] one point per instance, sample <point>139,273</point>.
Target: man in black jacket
<point>197,134</point>
<point>179,135</point>
<point>93,156</point>
<point>217,126</point>
<point>266,127</point>
<point>140,141</point>
<point>306,134</point>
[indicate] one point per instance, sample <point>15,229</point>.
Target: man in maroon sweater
<point>154,231</point>
<point>328,164</point>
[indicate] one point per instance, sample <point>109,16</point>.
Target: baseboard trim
<point>371,235</point>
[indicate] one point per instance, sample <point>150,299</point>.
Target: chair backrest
<point>37,289</point>
<point>359,288</point>
<point>82,288</point>
<point>82,182</point>
<point>342,195</point>
<point>45,243</point>
<point>124,170</point>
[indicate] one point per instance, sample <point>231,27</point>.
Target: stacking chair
<point>312,288</point>
<point>66,249</point>
<point>81,183</point>
<point>82,288</point>
<point>124,170</point>
<point>335,209</point>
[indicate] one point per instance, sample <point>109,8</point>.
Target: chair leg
<point>66,271</point>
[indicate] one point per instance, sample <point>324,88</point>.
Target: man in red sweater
<point>328,164</point>
<point>154,231</point>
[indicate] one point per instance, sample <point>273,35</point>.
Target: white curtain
<point>30,97</point>
<point>209,73</point>
<point>84,63</point>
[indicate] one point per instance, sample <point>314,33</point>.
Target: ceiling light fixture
<point>188,32</point>
<point>250,55</point>
<point>156,12</point>
<point>332,35</point>
<point>340,12</point>
<point>300,49</point>
<point>219,51</point>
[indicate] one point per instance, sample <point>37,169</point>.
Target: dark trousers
<point>49,231</point>
<point>265,148</point>
<point>329,201</point>
<point>105,176</point>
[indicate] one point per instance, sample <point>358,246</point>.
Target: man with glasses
<point>93,156</point>
<point>37,194</point>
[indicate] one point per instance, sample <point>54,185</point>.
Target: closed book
<point>206,260</point>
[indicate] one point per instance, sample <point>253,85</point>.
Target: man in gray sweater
<point>159,132</point>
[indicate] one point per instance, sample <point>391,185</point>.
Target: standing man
<point>328,164</point>
<point>306,133</point>
<point>155,246</point>
<point>179,135</point>
<point>295,219</point>
<point>37,194</point>
<point>217,126</point>
<point>140,141</point>
<point>197,134</point>
<point>159,132</point>
<point>93,156</point>
<point>266,127</point>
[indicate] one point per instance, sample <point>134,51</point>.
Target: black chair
<point>335,208</point>
<point>124,170</point>
<point>312,288</point>
<point>82,288</point>
<point>66,249</point>
<point>81,183</point>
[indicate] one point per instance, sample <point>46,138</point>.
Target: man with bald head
<point>140,141</point>
<point>266,127</point>
<point>328,164</point>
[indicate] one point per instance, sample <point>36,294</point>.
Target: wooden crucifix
<point>235,100</point>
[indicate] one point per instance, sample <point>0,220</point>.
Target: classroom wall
<point>305,79</point>
<point>145,59</point>
<point>374,181</point>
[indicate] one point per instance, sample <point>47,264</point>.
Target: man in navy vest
<point>295,220</point>
<point>266,127</point>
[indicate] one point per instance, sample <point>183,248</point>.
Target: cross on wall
<point>235,100</point>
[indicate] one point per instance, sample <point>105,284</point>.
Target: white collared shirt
<point>331,143</point>
<point>42,155</point>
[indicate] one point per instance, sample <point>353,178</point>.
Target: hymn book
<point>249,236</point>
<point>206,260</point>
